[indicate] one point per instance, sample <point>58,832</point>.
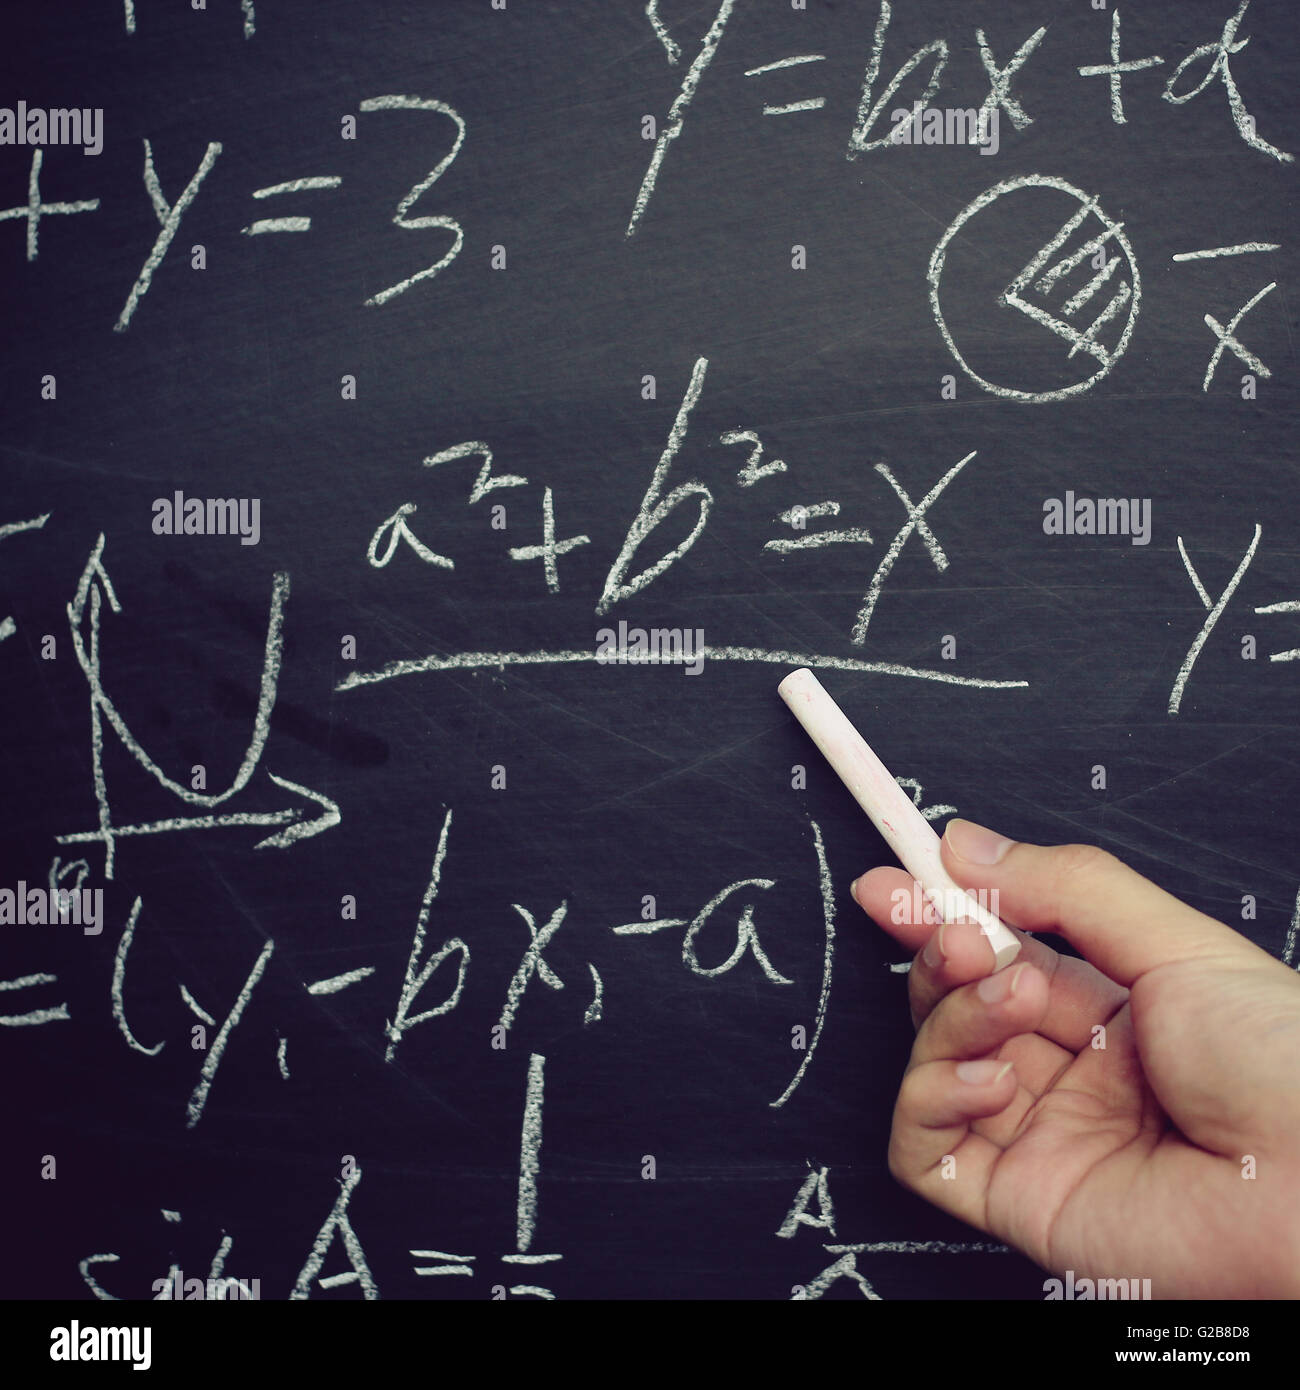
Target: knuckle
<point>1080,864</point>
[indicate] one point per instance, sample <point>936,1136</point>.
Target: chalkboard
<point>430,433</point>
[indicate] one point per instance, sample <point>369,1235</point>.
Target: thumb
<point>1121,922</point>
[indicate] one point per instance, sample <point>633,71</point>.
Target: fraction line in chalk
<point>529,1259</point>
<point>1244,248</point>
<point>471,661</point>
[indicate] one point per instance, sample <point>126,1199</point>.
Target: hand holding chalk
<point>1130,1116</point>
<point>892,812</point>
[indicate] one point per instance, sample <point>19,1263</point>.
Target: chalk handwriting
<point>169,217</point>
<point>532,962</point>
<point>87,600</point>
<point>754,470</point>
<point>798,516</point>
<point>469,661</point>
<point>672,126</point>
<point>999,96</point>
<point>828,958</point>
<point>34,209</point>
<point>1286,606</point>
<point>264,225</point>
<point>915,522</point>
<point>530,1150</point>
<point>247,9</point>
<point>119,983</point>
<point>655,508</point>
<point>792,107</point>
<point>413,982</point>
<point>595,1010</point>
<point>1227,339</point>
<point>1242,249</point>
<point>199,1099</point>
<point>417,191</point>
<point>486,481</point>
<point>1115,70</point>
<point>1046,276</point>
<point>14,528</point>
<point>550,549</point>
<point>337,1223</point>
<point>398,530</point>
<point>1215,613</point>
<point>33,1016</point>
<point>868,112</point>
<point>1221,52</point>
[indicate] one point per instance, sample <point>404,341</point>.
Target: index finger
<point>1121,922</point>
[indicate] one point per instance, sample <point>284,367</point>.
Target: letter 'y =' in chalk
<point>892,811</point>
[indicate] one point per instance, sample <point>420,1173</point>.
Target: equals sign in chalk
<point>892,811</point>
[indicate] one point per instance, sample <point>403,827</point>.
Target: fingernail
<point>934,954</point>
<point>993,989</point>
<point>982,1073</point>
<point>974,843</point>
<point>853,889</point>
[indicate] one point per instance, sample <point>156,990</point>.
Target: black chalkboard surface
<point>380,384</point>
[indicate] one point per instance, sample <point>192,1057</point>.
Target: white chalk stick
<point>892,811</point>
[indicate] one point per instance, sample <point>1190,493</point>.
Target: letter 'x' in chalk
<point>892,811</point>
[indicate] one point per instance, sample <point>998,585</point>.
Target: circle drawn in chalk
<point>1039,285</point>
